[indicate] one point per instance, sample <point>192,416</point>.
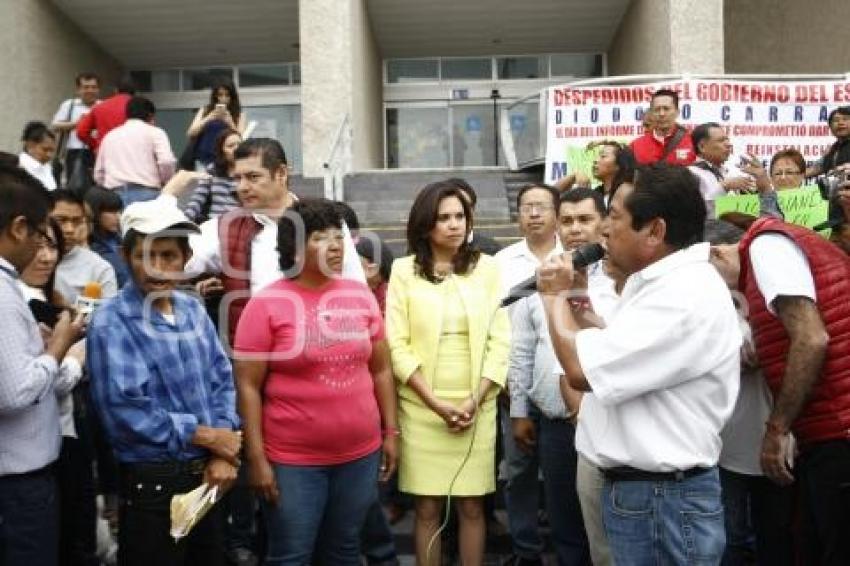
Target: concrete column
<point>43,51</point>
<point>669,36</point>
<point>340,75</point>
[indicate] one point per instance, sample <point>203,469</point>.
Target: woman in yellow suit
<point>449,342</point>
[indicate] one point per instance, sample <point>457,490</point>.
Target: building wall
<point>660,36</point>
<point>367,94</point>
<point>43,52</point>
<point>787,36</point>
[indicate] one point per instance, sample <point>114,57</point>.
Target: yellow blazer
<point>414,321</point>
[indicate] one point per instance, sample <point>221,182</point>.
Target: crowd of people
<point>174,323</point>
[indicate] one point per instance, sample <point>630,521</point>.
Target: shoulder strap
<point>710,168</point>
<point>673,142</point>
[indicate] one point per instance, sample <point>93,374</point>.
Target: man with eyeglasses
<point>29,368</point>
<point>537,206</point>
<point>79,266</point>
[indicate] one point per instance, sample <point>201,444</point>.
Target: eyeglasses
<point>538,206</point>
<point>786,173</point>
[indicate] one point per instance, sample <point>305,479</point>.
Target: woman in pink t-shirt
<point>316,395</point>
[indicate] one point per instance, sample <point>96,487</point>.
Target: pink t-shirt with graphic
<point>319,405</point>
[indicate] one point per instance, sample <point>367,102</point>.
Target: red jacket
<point>104,117</point>
<point>236,231</point>
<point>648,149</point>
<point>826,415</point>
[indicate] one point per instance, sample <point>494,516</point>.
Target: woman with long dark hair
<point>221,112</point>
<point>105,207</point>
<point>449,345</point>
<point>216,194</point>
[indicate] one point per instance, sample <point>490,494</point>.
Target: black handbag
<point>79,178</point>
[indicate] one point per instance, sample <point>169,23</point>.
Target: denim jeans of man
<point>759,519</point>
<point>665,522</point>
<point>522,491</point>
<point>557,453</point>
<point>823,469</point>
<point>144,517</point>
<point>320,512</point>
<point>377,542</point>
<point>131,193</point>
<point>29,519</point>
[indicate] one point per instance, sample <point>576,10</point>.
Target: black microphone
<point>582,257</point>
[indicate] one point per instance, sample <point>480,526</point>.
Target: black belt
<point>627,473</point>
<point>173,467</point>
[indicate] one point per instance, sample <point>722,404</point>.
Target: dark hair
<point>466,188</point>
<point>270,151</point>
<point>59,242</point>
<point>101,200</point>
<point>126,86</point>
<point>423,218</point>
<point>791,153</point>
<point>86,76</point>
<point>21,195</point>
<point>843,110</point>
<point>234,107</point>
<point>220,165</point>
<point>702,132</point>
<point>671,193</point>
<point>35,132</point>
<point>373,248</point>
<point>133,237</point>
<point>348,215</point>
<point>64,195</point>
<point>316,214</point>
<point>553,192</point>
<point>583,193</point>
<point>665,92</point>
<point>140,108</point>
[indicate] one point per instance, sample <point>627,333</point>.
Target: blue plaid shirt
<point>154,382</point>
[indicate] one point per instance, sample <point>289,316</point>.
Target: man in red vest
<point>796,286</point>
<point>668,141</point>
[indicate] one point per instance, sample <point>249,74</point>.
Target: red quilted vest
<point>826,416</point>
<point>236,230</point>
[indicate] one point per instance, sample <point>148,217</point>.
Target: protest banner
<point>804,206</point>
<point>760,117</point>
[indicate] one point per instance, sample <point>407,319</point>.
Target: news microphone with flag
<point>88,301</point>
<point>582,257</point>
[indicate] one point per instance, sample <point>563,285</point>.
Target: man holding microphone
<point>664,372</point>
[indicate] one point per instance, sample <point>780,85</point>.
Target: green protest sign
<point>803,206</point>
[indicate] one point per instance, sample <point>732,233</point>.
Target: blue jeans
<point>558,460</point>
<point>29,519</point>
<point>321,509</point>
<point>665,522</point>
<point>522,491</point>
<point>131,193</point>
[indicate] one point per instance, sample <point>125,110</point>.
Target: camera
<point>832,181</point>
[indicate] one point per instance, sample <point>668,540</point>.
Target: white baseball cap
<point>155,216</point>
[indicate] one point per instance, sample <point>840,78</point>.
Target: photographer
<point>838,156</point>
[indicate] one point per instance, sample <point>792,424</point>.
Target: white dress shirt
<point>76,112</point>
<point>41,171</point>
<point>517,263</point>
<point>665,370</point>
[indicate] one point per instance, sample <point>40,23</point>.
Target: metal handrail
<point>338,162</point>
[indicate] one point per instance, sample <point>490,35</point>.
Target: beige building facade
<point>357,85</point>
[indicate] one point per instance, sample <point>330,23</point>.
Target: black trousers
<point>29,519</point>
<point>78,510</point>
<point>824,475</point>
<point>144,537</point>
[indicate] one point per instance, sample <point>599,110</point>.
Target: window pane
<point>525,130</point>
<point>473,136</point>
<point>175,123</point>
<point>411,70</point>
<point>577,65</point>
<point>202,79</point>
<point>417,137</point>
<point>466,69</point>
<point>280,122</point>
<point>141,80</point>
<point>266,75</point>
<point>296,74</point>
<point>521,67</point>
